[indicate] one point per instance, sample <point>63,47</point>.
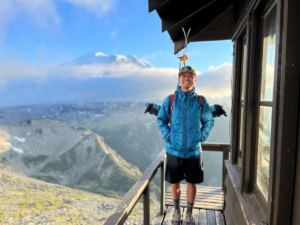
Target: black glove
<point>152,108</point>
<point>219,111</point>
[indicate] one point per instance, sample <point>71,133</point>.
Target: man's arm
<point>207,120</point>
<point>217,110</point>
<point>163,119</point>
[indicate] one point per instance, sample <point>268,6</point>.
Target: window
<point>265,103</point>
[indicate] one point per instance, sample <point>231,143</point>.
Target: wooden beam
<point>218,29</point>
<point>198,22</point>
<point>180,11</point>
<point>155,4</point>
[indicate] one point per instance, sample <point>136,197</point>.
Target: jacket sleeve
<point>163,119</point>
<point>207,120</point>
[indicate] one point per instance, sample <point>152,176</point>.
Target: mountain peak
<point>100,54</point>
<point>99,57</point>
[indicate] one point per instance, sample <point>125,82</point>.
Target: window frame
<point>238,60</point>
<point>260,14</point>
<point>252,26</point>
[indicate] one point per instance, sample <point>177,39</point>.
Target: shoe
<point>176,216</point>
<point>189,219</point>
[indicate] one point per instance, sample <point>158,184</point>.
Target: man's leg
<point>194,175</point>
<point>176,190</point>
<point>176,199</point>
<point>191,193</point>
<point>176,195</point>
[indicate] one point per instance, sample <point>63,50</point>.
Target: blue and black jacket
<point>187,125</point>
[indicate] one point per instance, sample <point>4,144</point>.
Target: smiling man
<point>185,120</point>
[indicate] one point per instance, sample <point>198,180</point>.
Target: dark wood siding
<point>296,214</point>
<point>288,113</point>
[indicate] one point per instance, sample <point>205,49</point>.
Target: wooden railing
<point>141,187</point>
<point>218,147</point>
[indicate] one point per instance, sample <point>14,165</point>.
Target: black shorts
<point>178,169</point>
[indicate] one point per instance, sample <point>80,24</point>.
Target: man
<point>179,122</point>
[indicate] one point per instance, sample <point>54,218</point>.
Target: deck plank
<point>208,205</point>
<point>206,197</point>
<point>202,217</point>
<point>168,215</point>
<point>211,217</point>
<point>219,218</point>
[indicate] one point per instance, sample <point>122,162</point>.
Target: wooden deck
<point>208,207</point>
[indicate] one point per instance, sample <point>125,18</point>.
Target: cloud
<point>216,82</point>
<point>42,12</point>
<point>115,71</point>
<point>132,81</point>
<point>98,7</point>
<point>17,69</point>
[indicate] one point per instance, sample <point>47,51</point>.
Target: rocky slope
<point>56,152</point>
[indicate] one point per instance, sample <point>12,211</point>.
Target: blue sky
<point>36,36</point>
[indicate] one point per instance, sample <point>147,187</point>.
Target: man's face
<point>187,81</point>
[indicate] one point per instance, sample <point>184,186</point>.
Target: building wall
<point>296,214</point>
<point>232,212</point>
<point>240,208</point>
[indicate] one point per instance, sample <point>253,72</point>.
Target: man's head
<point>187,78</point>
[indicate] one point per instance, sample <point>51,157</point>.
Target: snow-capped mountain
<point>102,58</point>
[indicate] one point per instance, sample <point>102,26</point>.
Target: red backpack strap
<point>200,101</point>
<point>172,99</point>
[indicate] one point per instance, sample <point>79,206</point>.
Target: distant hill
<point>125,128</point>
<point>59,153</point>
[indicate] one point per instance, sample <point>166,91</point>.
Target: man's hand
<point>219,111</point>
<point>152,108</point>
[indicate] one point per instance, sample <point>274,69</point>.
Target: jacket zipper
<point>186,125</point>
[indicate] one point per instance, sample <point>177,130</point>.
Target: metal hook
<point>186,36</point>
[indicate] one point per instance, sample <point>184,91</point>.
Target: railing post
<point>146,196</point>
<point>162,188</point>
<point>225,157</point>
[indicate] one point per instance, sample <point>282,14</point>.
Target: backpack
<point>172,99</point>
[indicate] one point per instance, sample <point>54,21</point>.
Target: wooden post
<point>146,196</point>
<point>162,188</point>
<point>225,151</point>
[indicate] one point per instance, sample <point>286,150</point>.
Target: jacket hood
<point>188,94</point>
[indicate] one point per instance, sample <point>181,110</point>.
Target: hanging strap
<point>200,101</point>
<point>172,99</point>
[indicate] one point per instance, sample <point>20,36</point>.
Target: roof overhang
<point>208,19</point>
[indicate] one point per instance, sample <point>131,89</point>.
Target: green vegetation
<point>30,201</point>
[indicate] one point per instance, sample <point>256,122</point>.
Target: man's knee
<point>191,185</point>
<point>176,187</point>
